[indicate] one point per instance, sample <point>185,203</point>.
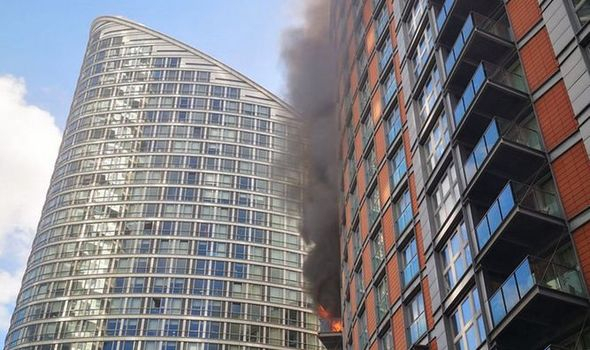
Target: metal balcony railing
<point>497,130</point>
<point>513,195</point>
<point>533,271</point>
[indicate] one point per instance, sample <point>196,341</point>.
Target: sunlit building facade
<point>465,136</point>
<point>171,221</point>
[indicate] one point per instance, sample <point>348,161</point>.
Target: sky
<point>41,48</point>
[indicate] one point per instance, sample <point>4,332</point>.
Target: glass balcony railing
<point>513,195</point>
<point>474,21</point>
<point>410,271</point>
<point>532,272</point>
<point>484,72</point>
<point>417,328</point>
<point>441,18</point>
<point>497,130</point>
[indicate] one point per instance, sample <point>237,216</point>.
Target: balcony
<point>506,151</point>
<point>452,14</point>
<point>537,303</point>
<point>480,38</point>
<point>491,91</point>
<point>522,220</point>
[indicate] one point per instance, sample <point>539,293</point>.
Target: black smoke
<point>312,85</point>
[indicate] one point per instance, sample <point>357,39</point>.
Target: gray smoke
<point>311,80</point>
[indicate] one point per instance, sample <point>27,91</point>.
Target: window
<point>364,94</point>
<point>370,165</point>
<point>385,340</point>
<point>389,86</point>
<point>423,50</point>
<point>410,263</point>
<point>367,128</point>
<point>467,322</point>
<point>445,196</point>
<point>416,318</point>
<point>385,54</point>
<point>356,241</point>
<point>437,142</point>
<point>359,283</point>
<point>398,166</point>
<point>373,206</point>
<point>430,93</point>
<point>403,212</point>
<point>417,11</point>
<point>394,125</point>
<point>456,256</point>
<point>362,329</point>
<point>381,298</point>
<point>382,20</point>
<point>377,250</point>
<point>582,8</point>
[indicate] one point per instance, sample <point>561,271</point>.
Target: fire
<point>335,324</point>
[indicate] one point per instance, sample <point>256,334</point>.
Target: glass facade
<point>171,221</point>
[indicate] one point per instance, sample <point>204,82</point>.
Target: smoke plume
<point>311,81</point>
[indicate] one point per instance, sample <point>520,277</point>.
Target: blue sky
<point>41,48</point>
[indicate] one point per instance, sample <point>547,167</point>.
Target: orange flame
<point>335,323</point>
<point>336,326</point>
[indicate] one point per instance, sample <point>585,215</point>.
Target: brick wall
<point>572,175</point>
<point>555,115</point>
<point>524,14</point>
<point>538,59</point>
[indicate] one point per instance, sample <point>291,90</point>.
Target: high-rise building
<point>466,176</point>
<point>171,221</point>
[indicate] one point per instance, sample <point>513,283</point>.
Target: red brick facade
<point>524,14</point>
<point>555,116</point>
<point>572,174</point>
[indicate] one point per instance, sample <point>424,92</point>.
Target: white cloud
<point>29,141</point>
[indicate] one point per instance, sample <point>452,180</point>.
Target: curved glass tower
<point>172,217</point>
